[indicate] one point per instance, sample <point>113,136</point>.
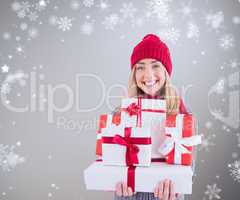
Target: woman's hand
<point>165,190</point>
<point>123,190</point>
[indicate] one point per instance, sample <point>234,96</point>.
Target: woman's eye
<point>139,67</point>
<point>156,66</point>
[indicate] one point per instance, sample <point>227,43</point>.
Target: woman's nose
<point>149,73</point>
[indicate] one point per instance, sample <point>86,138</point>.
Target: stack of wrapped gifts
<point>142,145</point>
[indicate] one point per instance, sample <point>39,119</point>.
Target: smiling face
<point>150,76</point>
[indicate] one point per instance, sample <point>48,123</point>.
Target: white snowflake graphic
<point>23,26</point>
<point>64,23</point>
<point>21,14</point>
<point>25,6</point>
<point>5,68</point>
<point>234,63</point>
<point>16,6</point>
<point>41,5</point>
<point>33,32</point>
<point>8,158</point>
<point>87,28</point>
<point>138,22</point>
<point>6,35</point>
<point>207,143</point>
<point>226,42</point>
<point>193,31</point>
<point>5,88</point>
<point>10,79</point>
<point>103,5</point>
<point>88,3</point>
<point>186,9</point>
<point>128,10</point>
<point>236,20</point>
<point>234,169</point>
<point>111,21</point>
<point>213,192</point>
<point>75,5</point>
<point>159,8</point>
<point>238,139</point>
<point>32,16</point>
<point>172,35</point>
<point>52,20</point>
<point>215,20</point>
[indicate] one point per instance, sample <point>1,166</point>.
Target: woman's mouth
<point>150,84</point>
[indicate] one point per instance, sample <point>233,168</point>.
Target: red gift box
<point>104,120</point>
<point>178,145</point>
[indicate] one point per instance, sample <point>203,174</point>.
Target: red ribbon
<point>130,143</point>
<point>136,109</point>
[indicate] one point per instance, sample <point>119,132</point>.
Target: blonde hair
<point>167,92</point>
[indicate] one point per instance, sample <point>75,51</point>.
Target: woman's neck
<point>148,96</point>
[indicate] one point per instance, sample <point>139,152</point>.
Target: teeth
<point>150,83</point>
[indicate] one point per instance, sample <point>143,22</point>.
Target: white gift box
<point>145,178</point>
<point>118,151</point>
<point>153,114</point>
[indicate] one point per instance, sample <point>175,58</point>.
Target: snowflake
<point>23,26</point>
<point>213,191</point>
<point>193,31</point>
<point>128,10</point>
<point>159,8</point>
<point>186,9</point>
<point>53,20</point>
<point>8,159</point>
<point>6,36</point>
<point>111,21</point>
<point>75,5</point>
<point>5,88</point>
<point>234,169</point>
<point>207,143</point>
<point>33,32</point>
<point>215,21</point>
<point>219,87</point>
<point>103,5</point>
<point>87,28</point>
<point>208,124</point>
<point>238,135</point>
<point>217,114</point>
<point>32,16</point>
<point>5,68</point>
<point>25,6</point>
<point>41,5</point>
<point>19,49</point>
<point>226,42</point>
<point>21,14</point>
<point>16,6</point>
<point>64,23</point>
<point>171,34</point>
<point>88,3</point>
<point>137,22</point>
<point>236,20</point>
<point>234,63</point>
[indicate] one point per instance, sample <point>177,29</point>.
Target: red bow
<point>133,109</point>
<point>132,149</point>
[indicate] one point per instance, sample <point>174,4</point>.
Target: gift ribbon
<point>178,145</point>
<point>131,144</point>
<point>136,109</point>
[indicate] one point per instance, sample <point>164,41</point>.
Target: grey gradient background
<point>57,154</point>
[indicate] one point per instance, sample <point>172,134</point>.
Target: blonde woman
<point>151,69</point>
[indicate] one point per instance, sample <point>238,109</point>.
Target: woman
<point>151,69</point>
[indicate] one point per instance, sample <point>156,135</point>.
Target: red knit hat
<point>152,47</point>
